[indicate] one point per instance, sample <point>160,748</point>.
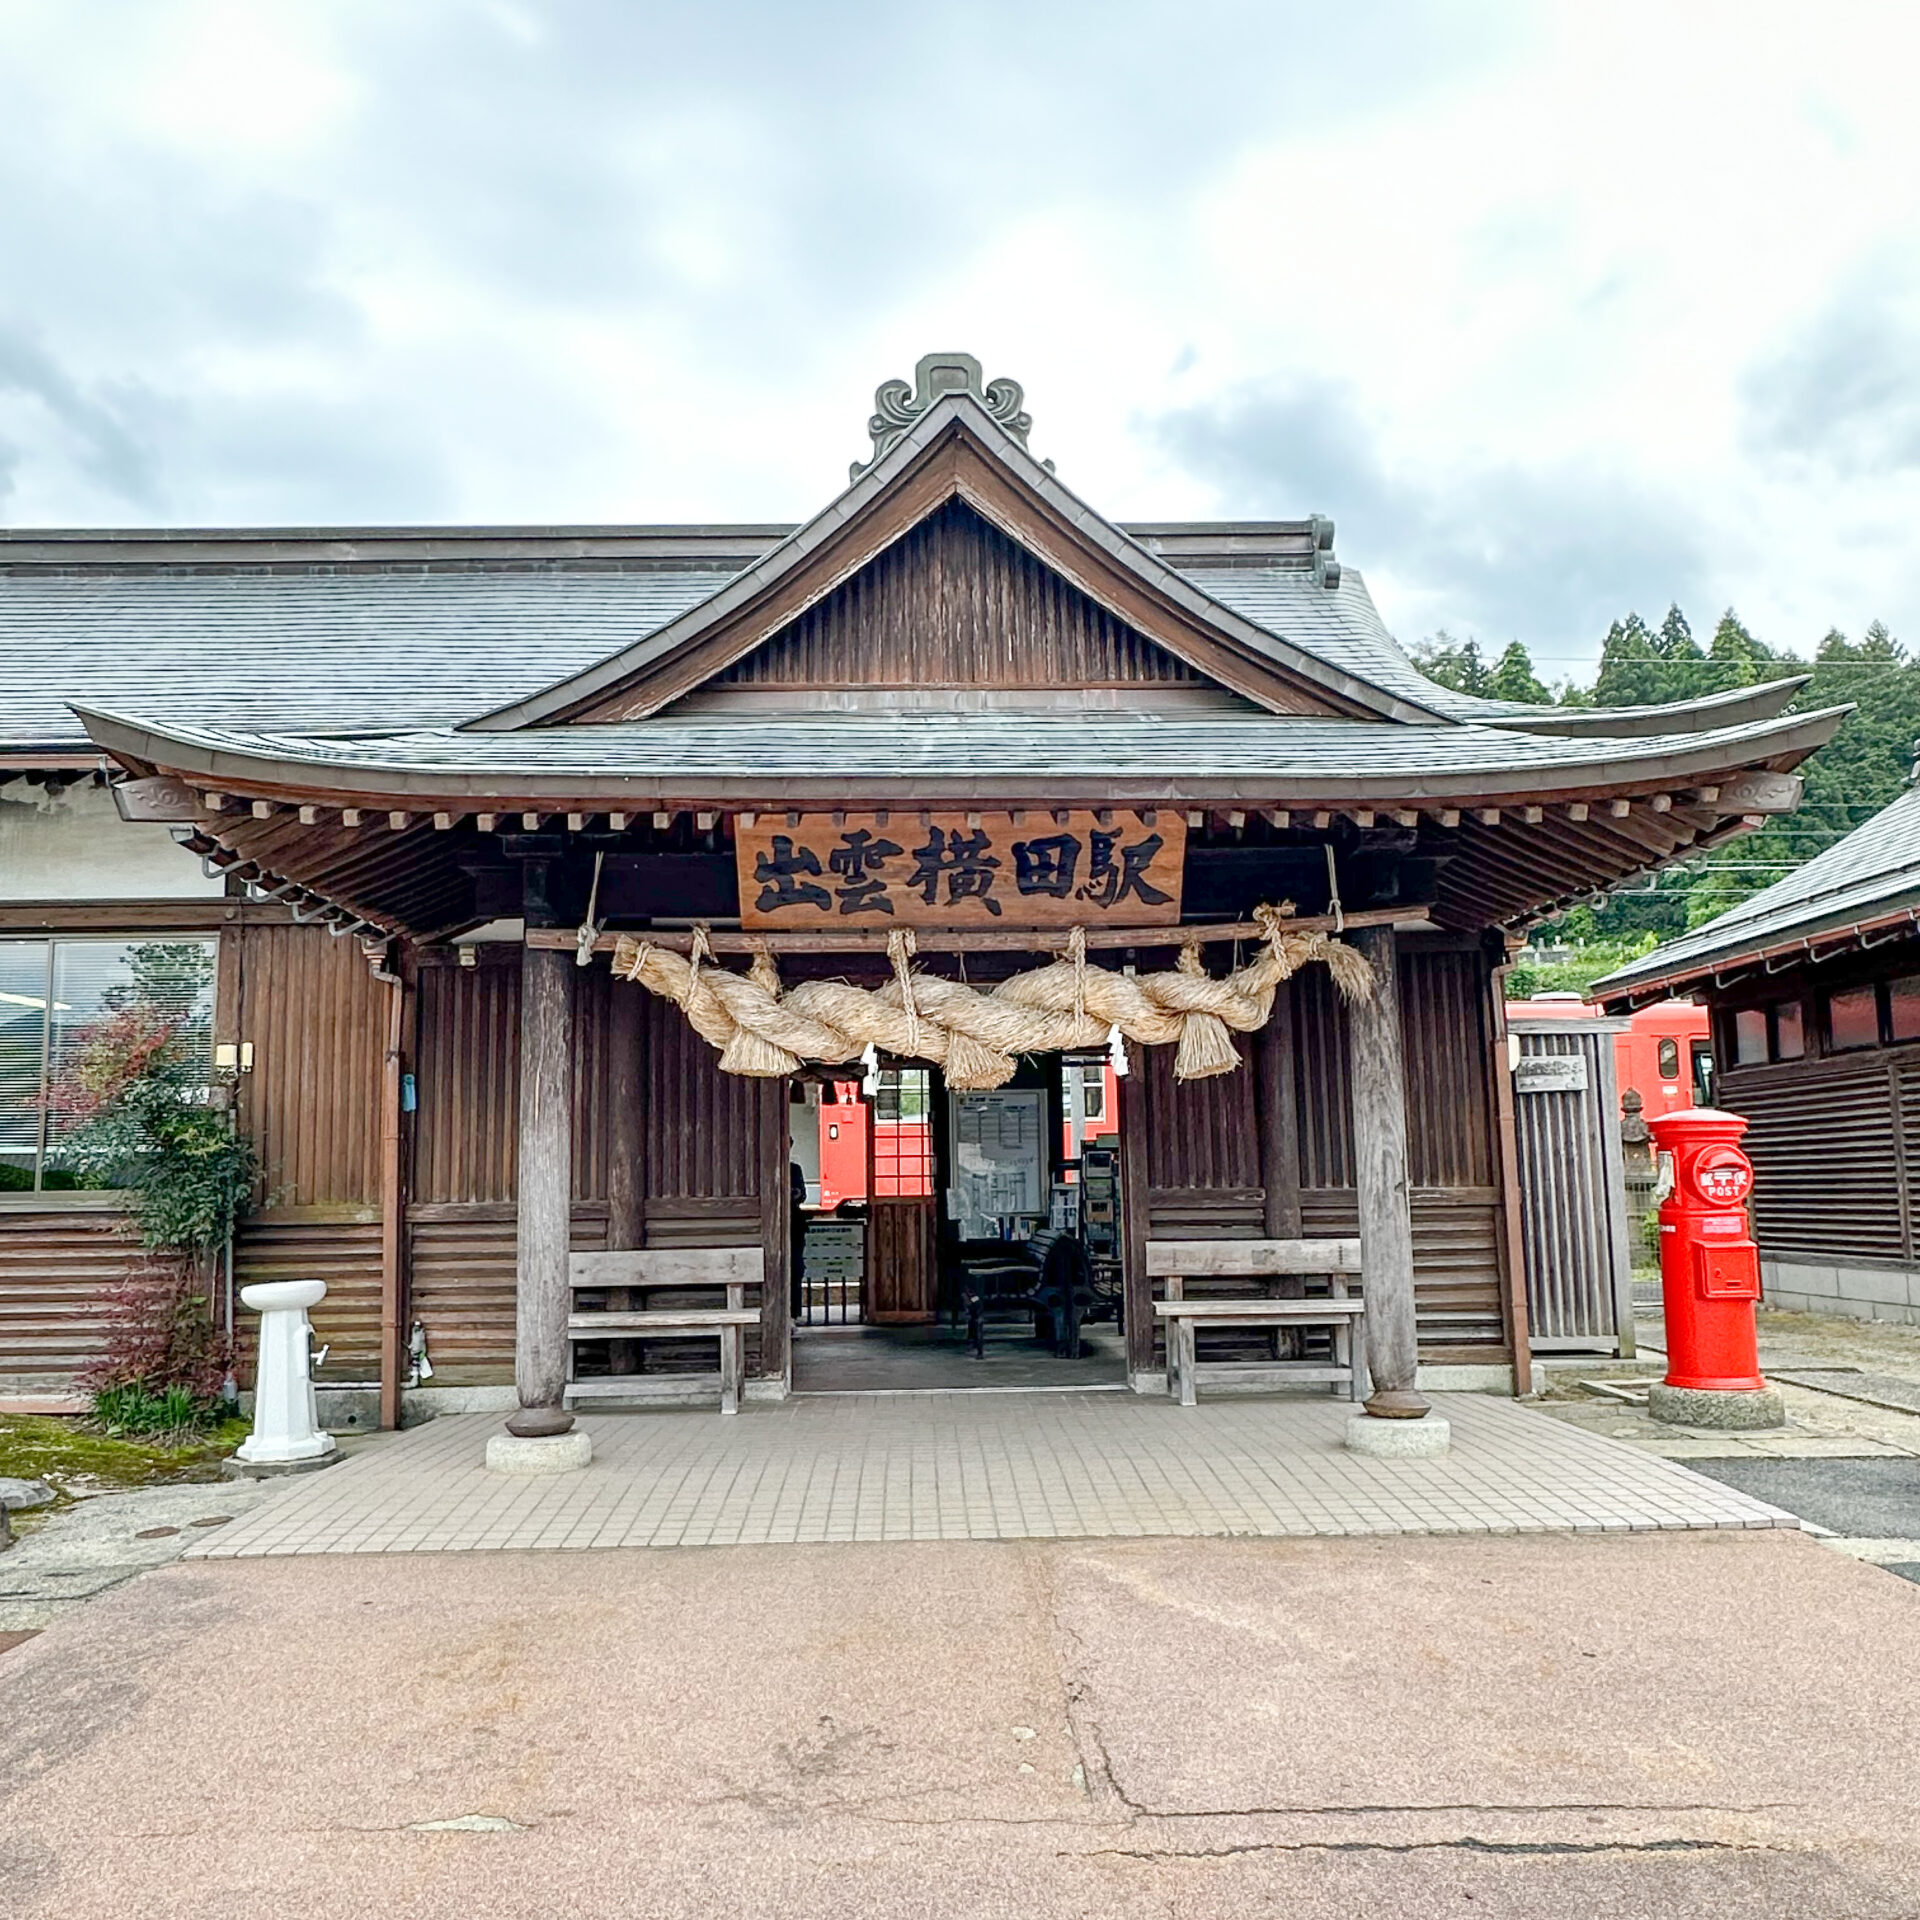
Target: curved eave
<point>1714,710</point>
<point>277,772</point>
<point>1260,648</point>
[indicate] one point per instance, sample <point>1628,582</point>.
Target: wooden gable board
<point>955,603</point>
<point>955,468</point>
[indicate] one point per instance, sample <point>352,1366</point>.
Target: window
<point>1903,1008</point>
<point>1750,1036</point>
<point>1789,1032</point>
<point>1669,1059</point>
<point>53,993</point>
<point>1853,1019</point>
<point>1093,1092</point>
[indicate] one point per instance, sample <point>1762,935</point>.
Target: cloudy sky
<point>1558,310</point>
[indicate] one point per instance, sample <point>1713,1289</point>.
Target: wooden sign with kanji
<point>879,870</point>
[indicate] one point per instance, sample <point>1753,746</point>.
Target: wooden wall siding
<point>1320,1080</point>
<point>53,1269</point>
<point>1443,1016</point>
<point>1200,1134</point>
<point>467,1069</point>
<point>1203,1166</point>
<point>1829,1141</point>
<point>345,1253</point>
<point>955,603</point>
<point>703,1126</point>
<point>461,1258</point>
<point>317,1021</point>
<point>1456,1267</point>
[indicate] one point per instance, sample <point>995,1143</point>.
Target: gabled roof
<point>1868,880</point>
<point>956,450</point>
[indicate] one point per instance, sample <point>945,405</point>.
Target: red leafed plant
<point>130,1108</point>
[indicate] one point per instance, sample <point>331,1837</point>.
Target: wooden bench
<point>1343,1314</point>
<point>656,1270</point>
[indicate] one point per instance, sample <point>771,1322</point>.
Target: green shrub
<point>135,1409</point>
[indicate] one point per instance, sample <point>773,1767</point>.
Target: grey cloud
<point>1548,556</point>
<point>1846,392</point>
<point>94,424</point>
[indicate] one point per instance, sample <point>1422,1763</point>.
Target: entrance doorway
<point>927,1230</point>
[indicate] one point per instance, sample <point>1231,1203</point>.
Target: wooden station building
<point>418,777</point>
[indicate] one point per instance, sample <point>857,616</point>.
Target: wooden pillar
<point>776,1221</point>
<point>1377,1075</point>
<point>545,1191</point>
<point>393,1202</point>
<point>1276,1117</point>
<point>626,1147</point>
<point>1135,1118</point>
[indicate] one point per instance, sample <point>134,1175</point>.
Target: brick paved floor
<point>966,1466</point>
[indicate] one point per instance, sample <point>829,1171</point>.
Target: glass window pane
<point>1903,1002</point>
<point>23,1017</point>
<point>1750,1036</point>
<point>140,982</point>
<point>1853,1018</point>
<point>1669,1059</point>
<point>1789,1036</point>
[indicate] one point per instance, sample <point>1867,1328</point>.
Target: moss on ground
<point>74,1457</point>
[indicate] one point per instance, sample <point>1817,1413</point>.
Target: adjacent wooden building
<point>1813,987</point>
<point>417,778</point>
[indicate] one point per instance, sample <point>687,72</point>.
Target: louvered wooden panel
<point>1456,1266</point>
<point>54,1267</point>
<point>955,603</point>
<point>317,1021</point>
<point>1826,1161</point>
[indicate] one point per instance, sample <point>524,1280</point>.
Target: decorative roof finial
<point>897,407</point>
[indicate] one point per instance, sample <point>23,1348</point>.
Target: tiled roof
<point>322,652</point>
<point>349,651</point>
<point>1874,871</point>
<point>1253,752</point>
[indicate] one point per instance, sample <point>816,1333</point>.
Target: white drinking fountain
<point>286,1429</point>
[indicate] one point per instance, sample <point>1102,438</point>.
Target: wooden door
<point>902,1261</point>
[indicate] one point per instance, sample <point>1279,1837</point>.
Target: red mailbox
<point>1709,1266</point>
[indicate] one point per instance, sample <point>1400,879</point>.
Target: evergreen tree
<point>1453,663</point>
<point>1513,678</point>
<point>1632,673</point>
<point>1738,659</point>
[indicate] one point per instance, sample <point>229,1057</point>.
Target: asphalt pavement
<point>1661,1724</point>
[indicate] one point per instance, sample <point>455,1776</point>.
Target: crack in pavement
<point>1467,1843</point>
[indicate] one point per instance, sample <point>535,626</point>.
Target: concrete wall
<point>73,846</point>
<point>1861,1293</point>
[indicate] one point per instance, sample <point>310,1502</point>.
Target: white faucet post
<point>286,1426</point>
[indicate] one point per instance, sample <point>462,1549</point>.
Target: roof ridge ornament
<point>898,408</point>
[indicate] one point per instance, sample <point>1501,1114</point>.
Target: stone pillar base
<point>551,1453</point>
<point>1399,1439</point>
<point>1723,1408</point>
